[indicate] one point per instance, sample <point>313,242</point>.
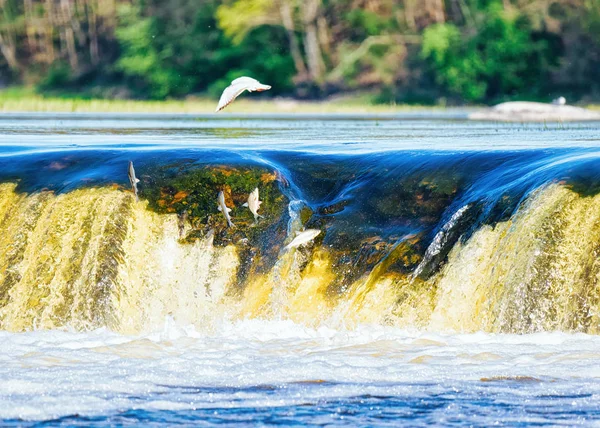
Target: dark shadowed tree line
<point>398,50</point>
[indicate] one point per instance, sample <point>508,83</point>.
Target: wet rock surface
<point>191,192</point>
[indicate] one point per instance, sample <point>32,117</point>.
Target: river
<point>454,279</point>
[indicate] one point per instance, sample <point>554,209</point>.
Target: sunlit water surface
<point>275,371</point>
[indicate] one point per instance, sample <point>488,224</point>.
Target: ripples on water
<point>331,134</point>
<point>505,206</point>
<point>278,372</point>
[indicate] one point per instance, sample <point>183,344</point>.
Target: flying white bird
<point>238,86</point>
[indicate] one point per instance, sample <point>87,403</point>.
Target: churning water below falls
<point>454,278</point>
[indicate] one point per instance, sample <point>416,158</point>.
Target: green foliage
<point>259,54</point>
<point>237,19</point>
<point>179,50</point>
<point>57,77</point>
<point>366,23</point>
<point>142,58</point>
<point>11,12</point>
<point>591,20</point>
<point>502,58</point>
<point>485,51</point>
<point>457,68</point>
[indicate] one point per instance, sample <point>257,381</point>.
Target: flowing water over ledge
<point>455,279</point>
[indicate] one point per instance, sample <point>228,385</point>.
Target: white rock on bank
<point>525,111</point>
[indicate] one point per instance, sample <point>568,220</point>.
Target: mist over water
<point>454,279</point>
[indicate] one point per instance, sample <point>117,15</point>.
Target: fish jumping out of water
<point>238,86</point>
<point>303,238</point>
<point>223,208</point>
<point>133,180</point>
<point>253,204</point>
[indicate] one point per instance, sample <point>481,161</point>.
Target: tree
<point>470,50</point>
<point>9,29</point>
<point>503,58</point>
<point>177,48</point>
<point>241,16</point>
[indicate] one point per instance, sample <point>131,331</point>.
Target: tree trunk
<point>63,43</point>
<point>28,7</point>
<point>49,33</point>
<point>93,29</point>
<point>409,14</point>
<point>73,60</point>
<point>324,39</point>
<point>467,15</point>
<point>314,57</point>
<point>8,50</point>
<point>8,41</point>
<point>456,15</point>
<point>288,24</point>
<point>437,10</point>
<point>67,18</point>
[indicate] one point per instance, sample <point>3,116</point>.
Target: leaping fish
<point>303,238</point>
<point>133,180</point>
<point>223,208</point>
<point>236,88</point>
<point>253,204</point>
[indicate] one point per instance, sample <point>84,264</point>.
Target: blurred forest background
<point>403,51</point>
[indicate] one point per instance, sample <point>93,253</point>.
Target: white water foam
<point>50,374</point>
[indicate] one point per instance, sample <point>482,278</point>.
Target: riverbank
<point>25,100</point>
<point>19,100</point>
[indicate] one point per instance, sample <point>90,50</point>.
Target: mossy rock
<point>192,191</point>
<point>305,214</point>
<point>416,198</point>
<point>375,254</point>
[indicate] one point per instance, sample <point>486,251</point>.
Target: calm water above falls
<point>455,279</point>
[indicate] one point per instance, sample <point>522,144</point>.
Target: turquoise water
<point>277,372</point>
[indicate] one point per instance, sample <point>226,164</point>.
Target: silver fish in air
<point>223,208</point>
<point>133,180</point>
<point>303,238</point>
<point>253,204</point>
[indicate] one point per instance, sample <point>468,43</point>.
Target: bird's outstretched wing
<point>238,86</point>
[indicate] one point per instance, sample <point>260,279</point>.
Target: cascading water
<point>440,242</point>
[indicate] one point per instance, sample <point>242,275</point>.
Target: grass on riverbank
<point>21,99</point>
<point>26,100</point>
